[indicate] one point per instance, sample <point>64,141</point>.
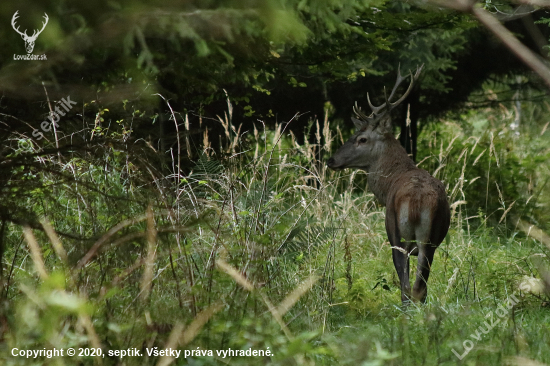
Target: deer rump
<point>416,212</point>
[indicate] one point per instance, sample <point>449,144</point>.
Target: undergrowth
<point>259,247</point>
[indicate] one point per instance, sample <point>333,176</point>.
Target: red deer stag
<point>417,210</point>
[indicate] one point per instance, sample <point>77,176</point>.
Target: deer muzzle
<point>332,164</point>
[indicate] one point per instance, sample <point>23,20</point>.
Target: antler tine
<point>46,18</point>
<point>413,79</point>
<point>36,31</point>
<point>386,97</point>
<point>398,81</point>
<point>14,17</point>
<point>15,27</point>
<point>388,106</point>
<point>418,71</point>
<point>374,108</point>
<point>360,113</point>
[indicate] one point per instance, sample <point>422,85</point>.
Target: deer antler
<point>13,19</point>
<point>360,113</point>
<point>377,111</point>
<point>35,34</point>
<point>399,80</point>
<point>24,34</point>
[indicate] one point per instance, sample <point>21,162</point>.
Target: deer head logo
<point>29,40</point>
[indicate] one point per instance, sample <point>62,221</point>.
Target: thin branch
<point>501,32</point>
<point>541,3</point>
<point>518,48</point>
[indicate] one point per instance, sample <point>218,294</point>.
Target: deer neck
<point>384,173</point>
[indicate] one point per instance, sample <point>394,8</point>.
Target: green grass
<point>244,233</point>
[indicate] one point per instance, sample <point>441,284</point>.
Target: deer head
<point>29,40</point>
<point>370,140</point>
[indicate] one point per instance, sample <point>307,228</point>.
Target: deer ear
<point>385,124</point>
<point>358,123</point>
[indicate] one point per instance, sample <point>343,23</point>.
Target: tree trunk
<point>409,132</point>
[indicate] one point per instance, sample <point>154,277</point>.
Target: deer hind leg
<point>399,255</point>
<point>401,263</point>
<point>426,250</point>
<point>425,258</point>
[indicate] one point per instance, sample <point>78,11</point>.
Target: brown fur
<point>395,180</point>
<point>417,211</point>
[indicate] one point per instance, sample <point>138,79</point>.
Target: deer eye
<point>363,140</point>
